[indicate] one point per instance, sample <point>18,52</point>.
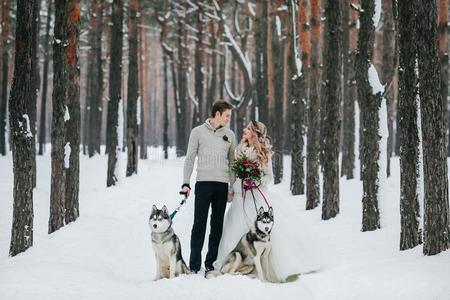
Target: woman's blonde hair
<point>260,142</point>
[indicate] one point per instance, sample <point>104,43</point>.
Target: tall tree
<point>443,54</point>
<point>433,108</point>
<point>277,31</point>
<point>387,76</point>
<point>199,108</point>
<point>21,136</point>
<point>96,79</point>
<point>115,88</point>
<point>133,90</point>
<point>43,117</point>
<point>35,81</point>
<point>5,67</point>
<point>167,53</point>
<point>407,115</point>
<point>60,148</point>
<point>349,38</point>
<point>299,94</point>
<point>370,101</point>
<point>73,106</point>
<point>313,133</point>
<point>332,101</point>
<point>261,83</point>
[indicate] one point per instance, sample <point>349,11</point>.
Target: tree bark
<point>115,88</point>
<point>22,145</point>
<point>348,93</point>
<point>407,115</point>
<point>59,145</point>
<point>133,92</point>
<point>389,61</point>
<point>43,117</point>
<point>332,101</point>
<point>299,97</point>
<point>261,81</point>
<point>369,105</point>
<point>73,106</point>
<point>4,83</point>
<point>199,112</point>
<point>434,141</point>
<point>313,133</point>
<point>96,83</point>
<point>276,104</point>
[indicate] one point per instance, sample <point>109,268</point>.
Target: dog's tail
<point>184,268</point>
<point>295,277</point>
<point>213,274</point>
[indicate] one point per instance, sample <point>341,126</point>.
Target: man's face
<point>224,118</point>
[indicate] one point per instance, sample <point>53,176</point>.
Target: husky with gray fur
<point>251,256</point>
<point>166,245</point>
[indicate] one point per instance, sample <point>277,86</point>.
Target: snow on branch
<point>357,7</point>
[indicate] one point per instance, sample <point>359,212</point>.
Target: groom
<point>213,143</point>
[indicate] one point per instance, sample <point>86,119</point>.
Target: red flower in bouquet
<point>248,171</point>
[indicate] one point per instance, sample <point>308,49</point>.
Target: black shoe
<point>194,271</point>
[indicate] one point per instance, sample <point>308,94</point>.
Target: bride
<point>288,252</point>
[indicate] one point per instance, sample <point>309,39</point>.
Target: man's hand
<point>230,196</point>
<point>186,190</point>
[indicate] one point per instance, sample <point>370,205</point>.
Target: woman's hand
<point>230,196</point>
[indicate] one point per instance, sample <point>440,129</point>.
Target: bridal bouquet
<point>248,171</point>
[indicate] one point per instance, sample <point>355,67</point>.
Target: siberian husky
<point>251,256</point>
<point>166,245</point>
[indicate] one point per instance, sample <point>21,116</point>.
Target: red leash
<point>248,185</point>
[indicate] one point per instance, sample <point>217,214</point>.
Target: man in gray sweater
<point>214,144</point>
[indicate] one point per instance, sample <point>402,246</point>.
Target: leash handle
<point>172,215</point>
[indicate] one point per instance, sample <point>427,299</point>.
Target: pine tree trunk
<point>143,85</point>
<point>22,146</point>
<point>133,92</point>
<point>167,53</point>
<point>212,92</point>
<point>35,82</point>
<point>443,55</point>
<point>182,101</point>
<point>276,111</point>
<point>43,118</point>
<point>389,61</point>
<point>369,104</point>
<point>96,83</point>
<point>332,102</point>
<point>299,97</point>
<point>407,115</point>
<point>73,105</point>
<point>313,133</point>
<point>261,81</point>
<point>59,145</point>
<point>115,88</point>
<point>4,83</point>
<point>348,117</point>
<point>434,126</point>
<point>199,113</point>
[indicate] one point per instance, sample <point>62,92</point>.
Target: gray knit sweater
<point>215,151</point>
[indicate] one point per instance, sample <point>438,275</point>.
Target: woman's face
<point>248,133</point>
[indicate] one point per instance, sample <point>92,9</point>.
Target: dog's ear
<point>261,211</point>
<point>154,209</point>
<point>271,212</point>
<point>165,211</point>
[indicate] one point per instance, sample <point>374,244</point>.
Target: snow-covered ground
<point>107,254</point>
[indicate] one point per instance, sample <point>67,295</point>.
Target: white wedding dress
<point>290,252</point>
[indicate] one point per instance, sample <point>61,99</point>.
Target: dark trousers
<point>214,194</point>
